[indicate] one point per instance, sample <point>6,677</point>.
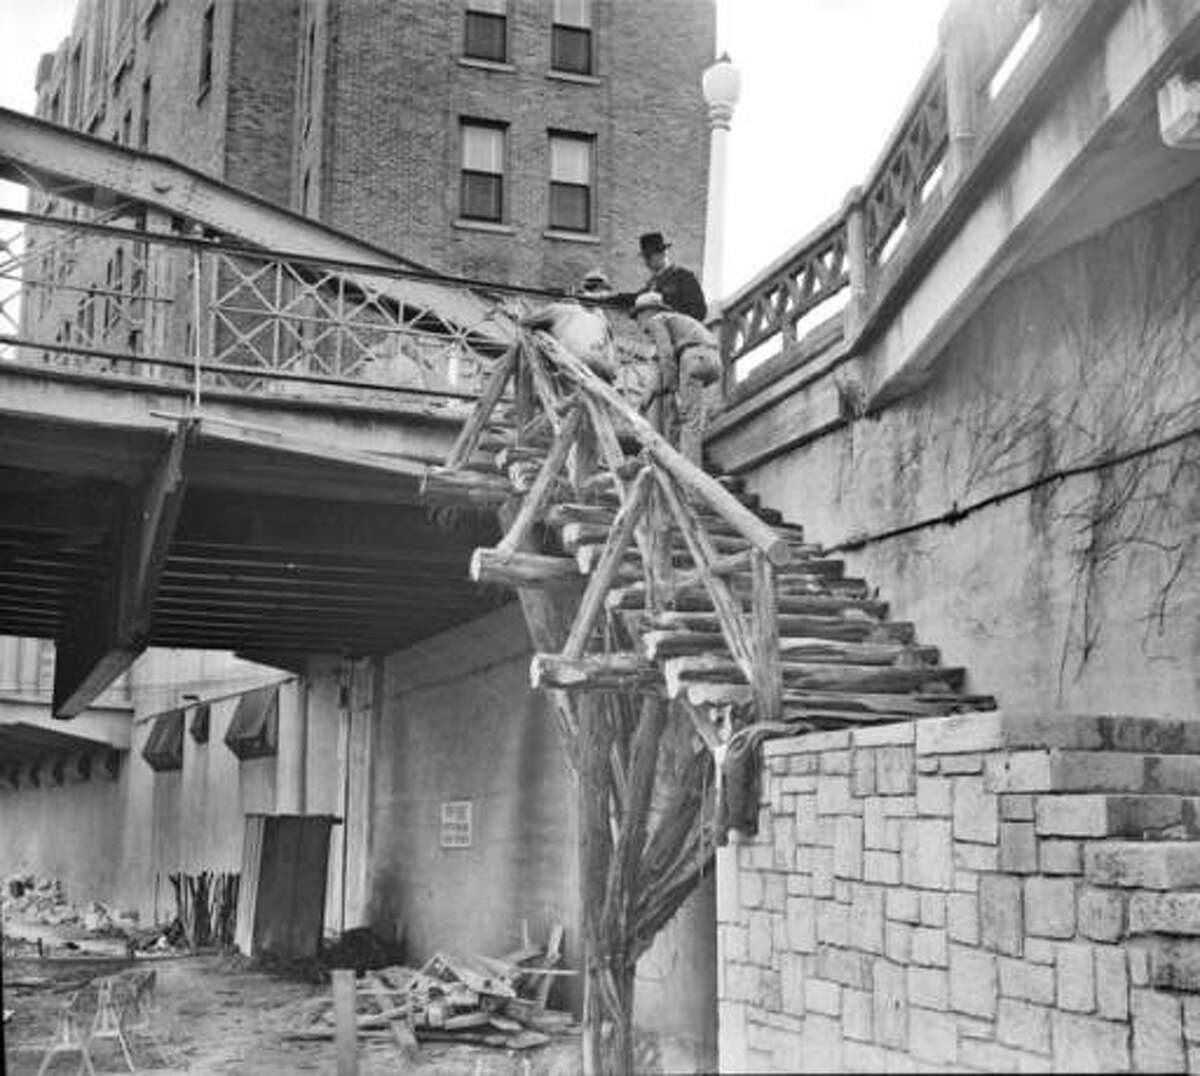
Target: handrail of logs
<point>659,493</point>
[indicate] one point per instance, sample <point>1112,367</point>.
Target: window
<point>304,189</point>
<point>206,50</point>
<point>144,124</point>
<point>456,824</point>
<point>127,128</point>
<point>571,37</point>
<point>482,171</point>
<point>571,182</point>
<point>485,35</point>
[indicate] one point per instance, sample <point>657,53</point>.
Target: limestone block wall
<point>986,892</point>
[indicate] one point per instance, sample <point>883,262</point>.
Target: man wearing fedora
<point>688,360</point>
<point>679,288</point>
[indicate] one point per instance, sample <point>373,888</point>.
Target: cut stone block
<point>972,981</point>
<point>1023,1025</point>
<point>1050,907</point>
<point>1157,1032</point>
<point>1018,848</point>
<point>1000,921</point>
<point>844,966</point>
<point>1075,977</point>
<point>1026,981</point>
<point>866,918</point>
<point>1164,913</point>
<point>1165,865</point>
<point>1166,963</point>
<point>1088,1044</point>
<point>929,987</point>
<point>933,1036</point>
<point>1112,982</point>
<point>926,859</point>
<point>976,812</point>
<point>1101,913</point>
<point>1058,856</point>
<point>962,917</point>
<point>891,1005</point>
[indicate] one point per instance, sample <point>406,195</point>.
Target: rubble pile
<point>475,1000</point>
<point>45,901</point>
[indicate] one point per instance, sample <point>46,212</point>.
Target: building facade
<point>516,140</point>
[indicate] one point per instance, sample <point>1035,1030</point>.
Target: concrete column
<point>722,85</point>
<point>31,652</point>
<point>292,760</point>
<point>858,266</point>
<point>958,40</point>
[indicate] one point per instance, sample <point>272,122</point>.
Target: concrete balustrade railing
<point>844,278</point>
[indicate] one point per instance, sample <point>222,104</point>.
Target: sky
<point>823,84</point>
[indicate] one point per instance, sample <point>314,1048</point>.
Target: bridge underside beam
<point>111,624</point>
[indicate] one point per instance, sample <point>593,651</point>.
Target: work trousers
<point>687,413</point>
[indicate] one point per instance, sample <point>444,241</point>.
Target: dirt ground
<point>217,1016</point>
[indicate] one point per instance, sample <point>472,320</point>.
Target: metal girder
<point>111,625</point>
<point>78,167</point>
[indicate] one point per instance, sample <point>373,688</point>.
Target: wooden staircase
<point>690,586</point>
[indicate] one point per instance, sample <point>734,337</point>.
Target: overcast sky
<point>823,83</point>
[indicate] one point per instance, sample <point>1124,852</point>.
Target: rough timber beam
<point>111,624</point>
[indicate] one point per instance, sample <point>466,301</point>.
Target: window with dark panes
<point>482,171</point>
<point>571,182</point>
<point>571,37</point>
<point>144,124</point>
<point>485,34</point>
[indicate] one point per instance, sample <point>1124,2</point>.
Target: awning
<point>254,730</point>
<point>164,747</point>
<point>200,720</point>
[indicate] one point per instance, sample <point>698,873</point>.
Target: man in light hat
<point>688,360</point>
<point>582,328</point>
<point>679,288</point>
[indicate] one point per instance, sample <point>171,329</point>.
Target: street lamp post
<point>722,86</point>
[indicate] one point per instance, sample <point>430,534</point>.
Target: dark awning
<point>254,730</point>
<point>200,720</point>
<point>164,747</point>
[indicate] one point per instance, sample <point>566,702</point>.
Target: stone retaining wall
<point>983,892</point>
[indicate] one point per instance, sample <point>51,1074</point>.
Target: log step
<point>611,671</point>
<point>696,599</point>
<point>898,707</point>
<point>602,515</point>
<point>659,645</point>
<point>819,676</point>
<point>848,629</point>
<point>577,536</point>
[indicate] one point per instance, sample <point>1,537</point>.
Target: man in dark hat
<point>678,287</point>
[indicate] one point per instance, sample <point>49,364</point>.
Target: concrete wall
<point>459,722</point>
<point>948,895</point>
<point>117,840</point>
<point>1080,593</point>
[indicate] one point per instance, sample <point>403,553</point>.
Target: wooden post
<point>345,1022</point>
<point>768,678</point>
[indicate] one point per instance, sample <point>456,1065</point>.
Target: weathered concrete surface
<point>1082,592</point>
<point>117,841</point>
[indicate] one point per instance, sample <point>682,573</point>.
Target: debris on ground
<point>453,998</point>
<point>44,901</point>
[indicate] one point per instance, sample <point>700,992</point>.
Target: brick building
<point>520,140</point>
